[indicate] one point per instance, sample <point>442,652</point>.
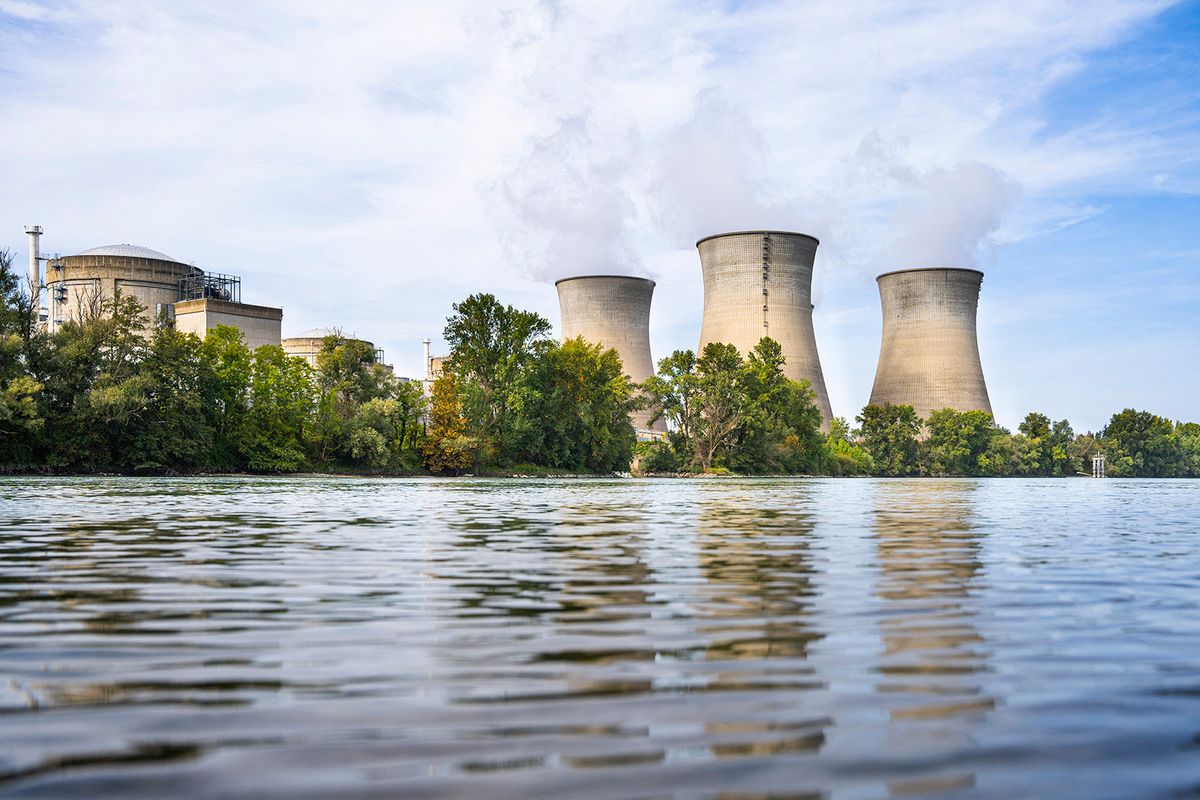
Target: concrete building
<point>308,344</point>
<point>79,285</point>
<point>433,368</point>
<point>613,311</point>
<point>759,283</point>
<point>259,324</point>
<point>929,356</point>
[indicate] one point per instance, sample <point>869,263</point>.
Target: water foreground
<point>323,637</point>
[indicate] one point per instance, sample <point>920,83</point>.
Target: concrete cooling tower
<point>759,283</point>
<point>929,358</point>
<point>613,311</point>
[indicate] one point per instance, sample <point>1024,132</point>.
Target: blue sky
<point>367,166</point>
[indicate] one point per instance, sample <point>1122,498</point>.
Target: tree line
<point>103,393</point>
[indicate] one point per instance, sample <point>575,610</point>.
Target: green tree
<point>843,455</point>
<point>672,393</point>
<point>347,376</point>
<point>889,434</point>
<point>721,401</point>
<point>955,442</point>
<point>491,346</point>
<point>1141,445</point>
<point>1188,434</point>
<point>383,430</point>
<point>229,368</point>
<point>1005,455</point>
<point>157,418</point>
<point>21,417</point>
<point>283,402</point>
<point>781,426</point>
<point>573,407</point>
<point>90,386</point>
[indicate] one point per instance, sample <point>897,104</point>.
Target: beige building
<point>759,283</point>
<point>77,285</point>
<point>197,301</point>
<point>259,325</point>
<point>929,356</point>
<point>308,344</point>
<point>613,311</point>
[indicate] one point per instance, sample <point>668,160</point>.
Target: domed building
<point>197,301</point>
<point>307,344</point>
<point>79,285</point>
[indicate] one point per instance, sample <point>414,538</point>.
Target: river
<point>725,638</point>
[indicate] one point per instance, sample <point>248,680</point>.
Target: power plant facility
<point>756,284</point>
<point>759,283</point>
<point>929,356</point>
<point>613,311</point>
<point>78,285</point>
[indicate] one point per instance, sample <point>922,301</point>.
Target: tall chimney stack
<point>35,266</point>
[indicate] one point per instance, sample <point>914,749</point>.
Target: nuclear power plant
<point>756,284</point>
<point>929,357</point>
<point>196,301</point>
<point>759,283</point>
<point>613,311</point>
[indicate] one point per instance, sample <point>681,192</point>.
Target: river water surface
<point>736,639</point>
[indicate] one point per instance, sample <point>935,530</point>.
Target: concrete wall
<point>759,283</point>
<point>259,324</point>
<point>929,356</point>
<point>88,279</point>
<point>613,311</point>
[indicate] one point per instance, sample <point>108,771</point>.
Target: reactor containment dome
<point>929,356</point>
<point>613,311</point>
<point>759,283</point>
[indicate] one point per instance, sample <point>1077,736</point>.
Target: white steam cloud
<point>712,175</point>
<point>948,217</point>
<point>567,210</point>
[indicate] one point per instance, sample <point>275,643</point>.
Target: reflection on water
<point>755,615</point>
<point>691,639</point>
<point>929,550</point>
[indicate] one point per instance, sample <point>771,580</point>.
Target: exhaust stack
<point>35,265</point>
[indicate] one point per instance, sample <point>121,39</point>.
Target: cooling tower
<point>612,311</point>
<point>929,358</point>
<point>759,283</point>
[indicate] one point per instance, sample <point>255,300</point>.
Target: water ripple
<point>737,639</point>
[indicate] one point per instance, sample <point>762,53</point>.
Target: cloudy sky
<point>366,164</point>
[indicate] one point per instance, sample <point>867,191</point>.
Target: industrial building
<point>929,356</point>
<point>77,285</point>
<point>434,365</point>
<point>759,283</point>
<point>308,344</point>
<point>613,311</point>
